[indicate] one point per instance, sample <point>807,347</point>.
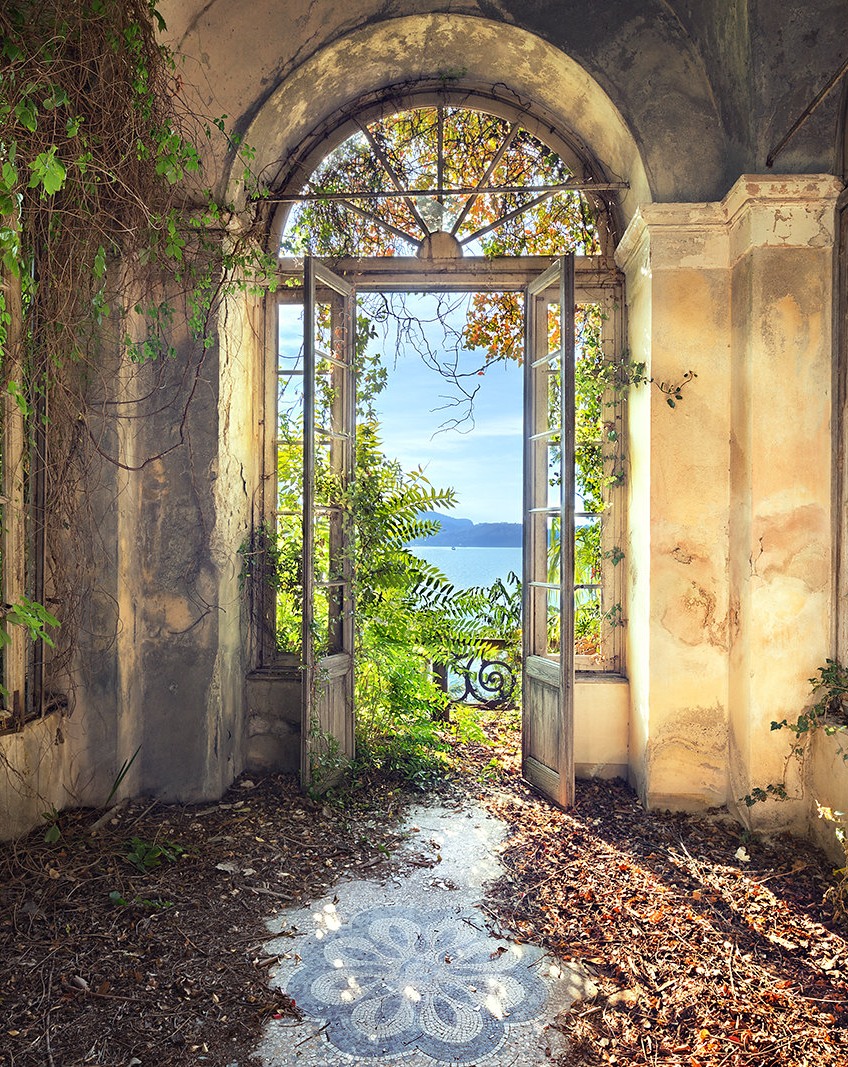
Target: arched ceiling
<point>676,96</point>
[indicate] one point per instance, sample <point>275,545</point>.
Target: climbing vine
<point>114,251</point>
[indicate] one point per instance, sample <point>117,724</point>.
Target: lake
<point>467,567</point>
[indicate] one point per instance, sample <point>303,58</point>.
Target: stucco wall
<point>705,89</point>
<point>729,537</point>
<point>739,509</point>
<point>826,795</point>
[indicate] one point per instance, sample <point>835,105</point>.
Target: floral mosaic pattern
<point>396,979</point>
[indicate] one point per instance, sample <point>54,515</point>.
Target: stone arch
<point>468,56</point>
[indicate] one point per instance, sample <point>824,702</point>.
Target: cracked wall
<point>730,518</point>
<point>737,519</point>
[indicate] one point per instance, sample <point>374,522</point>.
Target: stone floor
<point>410,971</point>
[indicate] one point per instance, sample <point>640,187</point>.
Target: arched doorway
<point>402,205</point>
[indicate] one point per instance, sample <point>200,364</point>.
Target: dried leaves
<point>703,959</point>
<point>104,961</point>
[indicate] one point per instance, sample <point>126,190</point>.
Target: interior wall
<point>678,99</point>
<point>739,509</point>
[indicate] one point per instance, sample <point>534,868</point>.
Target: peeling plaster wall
<point>826,788</point>
<point>781,251</point>
<point>184,674</point>
<point>163,653</point>
<point>739,551</point>
<point>675,261</point>
<point>729,535</point>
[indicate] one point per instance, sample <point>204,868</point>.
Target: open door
<point>329,415</point>
<point>549,514</point>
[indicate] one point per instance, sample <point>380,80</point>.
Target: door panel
<point>549,514</point>
<point>327,735</point>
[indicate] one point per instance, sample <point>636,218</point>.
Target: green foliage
<point>53,832</point>
<point>759,794</point>
<point>123,771</point>
<point>327,762</point>
<point>829,712</point>
<point>97,165</point>
<point>409,617</point>
<point>144,855</point>
<point>34,618</point>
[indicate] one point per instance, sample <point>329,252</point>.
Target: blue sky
<point>483,464</point>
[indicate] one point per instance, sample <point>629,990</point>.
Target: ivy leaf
<point>47,171</point>
<point>100,262</point>
<point>11,50</point>
<point>10,176</point>
<point>57,97</point>
<point>160,22</point>
<point>27,114</point>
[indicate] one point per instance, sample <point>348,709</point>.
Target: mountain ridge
<point>463,533</point>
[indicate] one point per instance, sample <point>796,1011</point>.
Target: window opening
<point>393,327</point>
<point>22,535</point>
<point>479,183</point>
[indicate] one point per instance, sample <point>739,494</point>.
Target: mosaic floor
<point>410,972</point>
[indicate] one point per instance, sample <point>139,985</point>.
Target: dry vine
<point>120,258</point>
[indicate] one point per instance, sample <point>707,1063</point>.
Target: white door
<point>549,491</point>
<point>329,395</point>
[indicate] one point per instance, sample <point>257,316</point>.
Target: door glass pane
<point>289,582</point>
<point>587,622</point>
<point>286,563</point>
<point>554,610</point>
<point>596,449</point>
<point>554,550</point>
<point>588,591</point>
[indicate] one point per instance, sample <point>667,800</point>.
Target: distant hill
<point>463,533</point>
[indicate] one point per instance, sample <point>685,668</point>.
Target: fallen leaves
<point>707,952</point>
<point>104,962</point>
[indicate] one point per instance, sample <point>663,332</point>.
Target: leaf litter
<point>142,942</point>
<point>710,947</point>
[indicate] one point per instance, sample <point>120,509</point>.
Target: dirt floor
<point>138,941</point>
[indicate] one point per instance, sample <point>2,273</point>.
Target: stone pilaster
<point>730,500</point>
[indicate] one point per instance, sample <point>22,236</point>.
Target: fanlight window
<point>447,178</point>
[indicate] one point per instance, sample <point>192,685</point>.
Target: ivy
<point>97,163</point>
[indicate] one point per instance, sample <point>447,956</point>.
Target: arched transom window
<point>446,181</point>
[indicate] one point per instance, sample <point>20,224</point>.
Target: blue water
<point>467,567</point>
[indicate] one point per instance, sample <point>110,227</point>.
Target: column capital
<point>781,211</point>
<point>772,210</point>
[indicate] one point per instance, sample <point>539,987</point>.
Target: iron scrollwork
<point>487,682</point>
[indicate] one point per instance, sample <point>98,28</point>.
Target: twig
<point>202,952</point>
<point>50,1059</point>
<point>107,815</point>
<point>730,952</point>
<point>309,1038</point>
<point>148,809</point>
